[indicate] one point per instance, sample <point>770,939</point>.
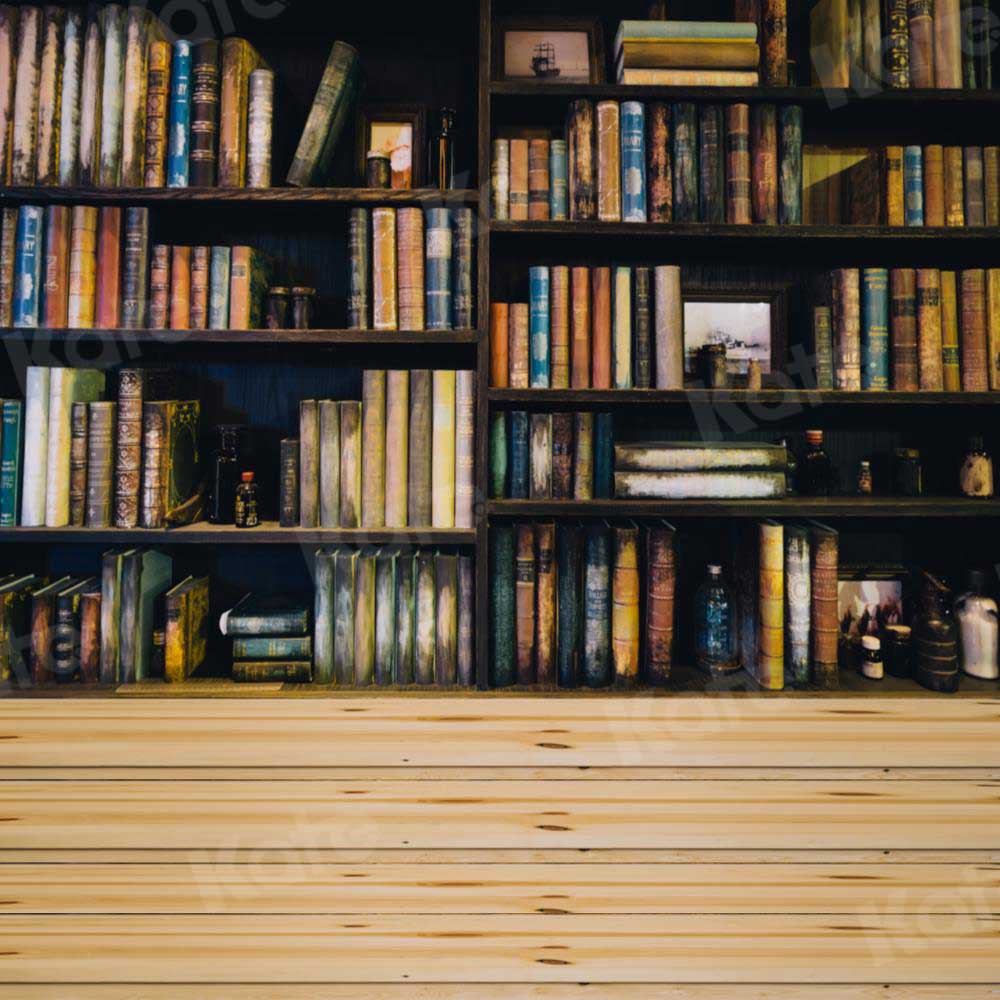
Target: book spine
<point>921,26</point>
<point>179,133</point>
<point>403,666</point>
<point>425,624</point>
<point>108,288</point>
<point>609,168</point>
<point>545,605</point>
<point>770,665</point>
<point>55,308</point>
<point>685,161</point>
<point>905,370</point>
<point>595,667</point>
<point>824,618</point>
<point>518,182</point>
<point>660,176</point>
<point>254,648</point>
<point>520,464</point>
<point>559,316</point>
<point>260,117</point>
<point>519,345</point>
<point>579,335</point>
<point>895,200</point>
<point>500,180</point>
<point>823,346</point>
<point>525,581</point>
<point>446,620</point>
<point>90,637</point>
<point>180,288</point>
<point>204,126</point>
<point>329,464</point>
<point>134,110</point>
<point>364,619</point>
<point>128,450</point>
<point>583,455</point>
<point>603,455</point>
<point>218,288</point>
<point>668,318</point>
<point>847,328</point>
<point>711,30</point>
<point>24,131</point>
<point>498,455</point>
<point>199,287</point>
<point>410,266</point>
<point>764,164</point>
<point>309,457</point>
<point>384,290</point>
<point>580,141</point>
<point>465,409</point>
<point>558,180</point>
<point>37,392</point>
<point>10,461</point>
<point>244,292</point>
<point>951,377</point>
<point>291,621</point>
<point>373,448</point>
<point>443,429</point>
<point>385,617</point>
<point>271,671</point>
<point>159,287</point>
<point>738,164</point>
<point>233,94</point>
<point>562,456</point>
<point>897,45</point>
<point>929,328</point>
<point>688,78</point>
<point>660,570</point>
<point>343,616</point>
<point>78,465</point>
<point>540,457</point>
<point>397,415</point>
<point>933,185</point>
<point>797,605</point>
<point>689,457</point>
<point>991,184</point>
<point>82,268</point>
<point>622,333</point>
<point>465,655</point>
<point>568,652</point>
<point>112,96</point>
<point>538,179</point>
<point>49,94</point>
<point>975,197</point>
<point>871,33</point>
<point>152,506</point>
<point>993,326</point>
<point>438,269</point>
<point>176,637</point>
<point>712,181</point>
<point>975,367</point>
<point>774,25</point>
<point>8,253</point>
<point>91,86</point>
<point>600,377</point>
<point>875,328</point>
<point>359,252</point>
<point>947,44</point>
<point>28,267</point>
<point>699,485</point>
<point>66,642</point>
<point>625,607</point>
<point>539,326</point>
<point>954,186</point>
<point>790,169</point>
<point>100,464</point>
<point>463,295</point>
<point>502,605</point>
<point>288,495</point>
<point>643,323</point>
<point>499,345</point>
<point>157,113</point>
<point>419,476</point>
<point>8,72</point>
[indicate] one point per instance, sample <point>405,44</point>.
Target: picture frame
<point>548,50</point>
<point>376,126</point>
<point>742,314</point>
<point>869,597</point>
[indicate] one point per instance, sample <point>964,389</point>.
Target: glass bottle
<point>715,632</point>
<point>441,173</point>
<point>225,474</point>
<point>815,469</point>
<point>976,614</point>
<point>976,474</point>
<point>245,506</point>
<point>864,478</point>
<point>791,468</point>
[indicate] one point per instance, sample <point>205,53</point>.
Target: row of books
<point>84,267</point>
<point>272,639</point>
<point>402,456</point>
<point>557,456</point>
<point>909,329</point>
<point>410,269</point>
<point>594,605</point>
<point>942,185</point>
<point>901,43</point>
<point>394,615</point>
<point>601,328</point>
<point>657,162</point>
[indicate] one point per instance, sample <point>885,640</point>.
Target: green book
<point>425,625</point>
<point>15,629</point>
<point>146,574</point>
<point>218,284</point>
<point>283,671</point>
<point>111,591</point>
<point>502,656</point>
<point>323,616</point>
<point>405,619</point>
<point>289,647</point>
<point>568,607</point>
<point>266,614</point>
<point>343,616</point>
<point>446,616</point>
<point>498,455</point>
<point>10,461</point>
<point>364,618</point>
<point>596,663</point>
<point>385,616</point>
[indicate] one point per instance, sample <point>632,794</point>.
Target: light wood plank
<point>303,885</point>
<point>228,815</point>
<point>499,732</point>
<point>646,948</point>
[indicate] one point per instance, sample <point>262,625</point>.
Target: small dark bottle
<point>225,474</point>
<point>442,152</point>
<point>814,472</point>
<point>246,514</point>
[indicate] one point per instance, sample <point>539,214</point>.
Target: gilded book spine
<point>49,95</point>
<point>112,96</point>
<point>350,465</point>
<point>28,257</point>
<point>764,164</point>
<point>562,456</point>
<point>419,475</point>
<point>397,415</point>
<point>135,267</point>
<point>539,327</point>
<point>24,135</point>
<point>520,462</point>
<point>373,449</point>
<point>921,21</point>
<point>443,449</point>
<point>875,328</point>
<point>463,297</point>
<point>929,328</point>
<point>500,345</point>
<point>897,44</point>
<point>894,197</point>
<point>100,464</point>
<point>205,84</point>
<point>933,160</point>
<point>518,183</point>
<point>82,268</point>
<point>78,465</point>
<point>993,326</point>
<point>8,253</point>
<point>180,288</point>
<point>669,329</point>
<point>109,260</point>
<point>790,169</point>
<point>465,409</point>
<point>660,175</point>
<point>774,25</point>
<point>580,148</point>
<point>625,607</point>
<point>154,432</point>
<point>10,461</point>
<point>90,96</point>
<point>991,184</point>
<point>975,198</point>
<point>157,113</point>
<point>600,348</point>
<point>823,346</point>
<point>519,345</point>
<point>288,496</point>
<point>558,180</point>
<point>218,290</point>
<point>559,313</point>
<point>770,664</point>
<point>738,164</point>
<point>309,453</point>
<point>410,224</point>
<point>609,192</point>
<point>237,57</point>
<point>260,114</point>
<point>954,187</point>
<point>8,72</point>
<point>659,604</point>
<point>500,180</point>
<point>200,257</point>
<point>797,604</point>
<point>905,369</point>
<point>438,269</point>
<point>545,611</point>
<point>596,588</point>
<point>950,352</point>
<point>583,455</point>
<point>179,128</point>
<point>159,287</point>
<point>568,605</point>
<point>137,31</point>
<point>128,450</point>
<point>685,162</point>
<point>972,290</point>
<point>642,329</point>
<point>58,222</point>
<point>384,295</point>
<point>538,179</point>
<point>711,167</point>
<point>847,328</point>
<point>579,339</point>
<point>525,602</point>
<point>359,251</point>
<point>824,618</point>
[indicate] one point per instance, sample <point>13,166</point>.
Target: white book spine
<point>69,123</point>
<point>699,485</point>
<point>465,407</point>
<point>329,463</point>
<point>36,423</point>
<point>669,328</point>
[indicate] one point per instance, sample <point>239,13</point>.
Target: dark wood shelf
<point>821,507</point>
<point>314,336</point>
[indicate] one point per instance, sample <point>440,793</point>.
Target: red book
<point>499,345</point>
<point>601,328</point>
<point>579,346</point>
<point>973,313</point>
<point>109,269</point>
<point>180,288</point>
<point>58,223</point>
<point>764,164</point>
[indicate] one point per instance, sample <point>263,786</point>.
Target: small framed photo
<point>549,50</point>
<point>398,131</point>
<point>751,325</point>
<point>870,598</point>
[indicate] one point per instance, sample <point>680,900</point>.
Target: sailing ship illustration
<point>543,62</point>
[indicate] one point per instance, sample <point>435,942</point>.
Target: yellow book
<point>239,60</point>
<point>83,268</point>
<point>443,450</point>
<point>397,418</point>
<point>992,326</point>
<point>771,661</point>
<point>174,658</point>
<point>625,606</point>
<point>950,357</point>
<point>373,451</point>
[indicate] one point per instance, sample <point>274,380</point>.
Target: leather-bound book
<point>659,170</point>
<point>538,179</point>
<point>668,320</point>
<point>897,44</point>
<point>525,580</point>
<point>135,267</point>
<point>797,605</point>
<point>894,198</point>
<point>520,462</point>
<point>503,609</point>
<point>410,267</point>
<point>364,618</point>
<point>288,492</point>
<point>950,350</point>
<point>82,268</point>
<point>500,180</point>
<point>132,386</point>
<point>609,188</point>
<point>499,454</point>
<point>157,113</point>
<point>90,634</point>
<point>558,180</point>
<point>43,630</point>
<point>309,452</point>
<point>660,577</point>
<point>443,428</point>
<point>601,329</point>
<point>260,128</point>
<point>738,164</point>
<point>539,327</point>
<point>109,268</point>
<point>975,368</point>
<point>28,271</point>
<point>462,285</point>
<point>249,278</point>
<point>991,184</point>
<point>385,615</point>
<point>425,618</point>
<point>595,666</point>
<point>8,71</point>
<point>874,328</point>
<point>384,292</point>
<point>861,190</point>
<point>519,346</point>
<point>169,458</point>
<point>200,266</point>
<point>205,87</point>
<point>329,463</point>
<point>159,286</point>
<point>625,606</point>
<point>499,345</point>
<point>403,665</point>
<point>847,328</point>
<point>769,672</point>
<point>446,619</point>
<point>271,671</point>
<point>905,370</point>
<point>112,96</point>
<point>91,83</point>
<point>712,179</point>
<point>790,165</point>
<point>78,465</point>
<point>559,304</point>
<point>345,564</point>
<point>239,59</point>
<point>993,326</point>
<point>8,253</point>
<point>186,629</point>
<point>580,140</point>
<point>633,161</point>
<point>621,343</point>
<point>568,635</point>
<point>66,647</point>
<point>540,451</point>
<point>954,186</point>
<point>975,195</point>
<point>921,18</point>
<point>583,455</point>
<point>49,94</point>
<point>419,475</point>
<point>642,321</point>
<point>180,288</point>
<point>350,465</point>
<point>685,161</point>
<point>139,29</point>
<point>359,252</point>
<point>220,278</point>
<point>929,328</point>
<point>101,439</point>
<point>947,44</point>
<point>579,336</point>
<point>545,613</point>
<point>55,301</point>
<point>824,619</point>
<point>822,344</point>
<point>933,185</point>
<point>397,420</point>
<point>518,180</point>
<point>764,164</point>
<point>465,415</point>
<point>562,456</point>
<point>24,128</point>
<point>774,35</point>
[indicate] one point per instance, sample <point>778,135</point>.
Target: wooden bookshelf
<point>313,336</point>
<point>238,196</point>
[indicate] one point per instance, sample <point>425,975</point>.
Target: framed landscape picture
<point>549,50</point>
<point>398,131</point>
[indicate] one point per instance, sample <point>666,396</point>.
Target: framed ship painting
<point>549,50</point>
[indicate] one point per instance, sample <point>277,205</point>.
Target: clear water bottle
<point>715,627</point>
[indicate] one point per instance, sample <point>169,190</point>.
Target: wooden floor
<point>487,848</point>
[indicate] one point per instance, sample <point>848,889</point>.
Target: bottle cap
<point>377,154</point>
<point>814,437</point>
<point>247,477</point>
<point>871,642</point>
<point>865,464</point>
<point>714,569</point>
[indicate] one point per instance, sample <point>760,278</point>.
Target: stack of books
<point>687,53</point>
<point>271,639</point>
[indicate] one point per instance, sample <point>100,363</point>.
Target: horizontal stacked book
<point>272,639</point>
<point>394,615</point>
<point>656,162</point>
<point>591,328</point>
<point>400,457</point>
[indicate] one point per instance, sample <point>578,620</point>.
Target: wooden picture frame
<point>547,71</point>
<point>413,116</point>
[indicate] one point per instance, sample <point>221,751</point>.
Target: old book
<point>204,123</point>
<point>518,181</point>
<point>146,575</point>
<point>296,647</point>
<point>540,456</point>
<point>905,370</point>
<point>764,164</point>
<point>568,611</point>
<point>538,179</point>
<point>198,313</point>
<point>498,481</point>
<point>921,19</point>
<point>579,328</point>
<point>954,186</point>
<point>668,322</point>
<point>288,488</point>
<point>688,78</point>
<point>15,629</point>
<point>768,670</point>
<point>345,567</point>
<point>8,252</point>
<point>609,170</point>
<point>273,671</point>
<point>874,328</point>
<point>525,584</point>
<point>685,161</point>
<point>373,455</point>
<point>738,164</point>
<point>824,620</point>
<point>81,307</point>
<point>309,464</point>
<point>220,278</point>
<point>384,291</point>
<point>159,287</point>
<point>260,128</point>
<point>266,614</point>
<point>992,326</point>
<point>66,647</point>
<point>896,29</point>
<point>250,277</point>
<point>642,329</point>
<point>438,269</point>
<point>774,37</point>
<point>539,327</point>
<point>929,328</point>
<point>600,377</point>
<point>49,95</point>
<point>55,298</point>
<point>520,455</point>
<point>443,427</point>
<point>972,310</point>
<point>502,661</point>
<point>169,458</point>
<point>520,336</point>
<point>583,455</point>
<point>180,288</point>
<point>894,196</point>
<point>500,180</point>
<point>328,446</point>
<point>350,464</point>
<point>24,128</point>
<point>410,267</point>
<point>559,326</point>
<point>132,387</point>
<point>711,165</point>
<point>659,170</point>
<point>625,606</point>
<point>364,618</point>
<point>111,595</point>
<point>112,96</point>
<point>187,631</point>
<point>385,616</point>
<point>829,29</point>
<point>36,428</point>
<point>603,449</point>
<point>100,426</point>
<point>545,605</point>
<point>10,460</point>
<point>947,44</point>
<point>847,328</point>
<point>558,179</point>
<point>950,351</point>
<point>580,141</point>
<point>335,96</point>
<point>8,71</point>
<point>424,617</point>
<point>108,286</point>
<point>991,184</point>
<point>465,410</point>
<point>753,485</point>
<point>595,666</point>
<point>933,182</point>
<point>446,619</point>
<point>157,113</point>
<point>123,259</point>
<point>359,252</point>
<point>499,345</point>
<point>975,195</point>
<point>239,59</point>
<point>419,504</point>
<point>561,463</point>
<point>90,634</point>
<point>913,186</point>
<point>466,667</point>
<point>462,292</point>
<point>871,37</point>
<point>684,456</point>
<point>140,31</point>
<point>822,343</point>
<point>91,87</point>
<point>43,629</point>
<point>790,165</point>
<point>659,610</point>
<point>621,342</point>
<point>798,600</point>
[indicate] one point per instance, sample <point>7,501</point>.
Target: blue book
<point>913,185</point>
<point>437,269</point>
<point>27,267</point>
<point>218,288</point>
<point>685,150</point>
<point>179,136</point>
<point>519,455</point>
<point>874,328</point>
<point>558,180</point>
<point>538,327</point>
<point>790,165</point>
<point>603,455</point>
<point>10,461</point>
<point>595,665</point>
<point>633,138</point>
